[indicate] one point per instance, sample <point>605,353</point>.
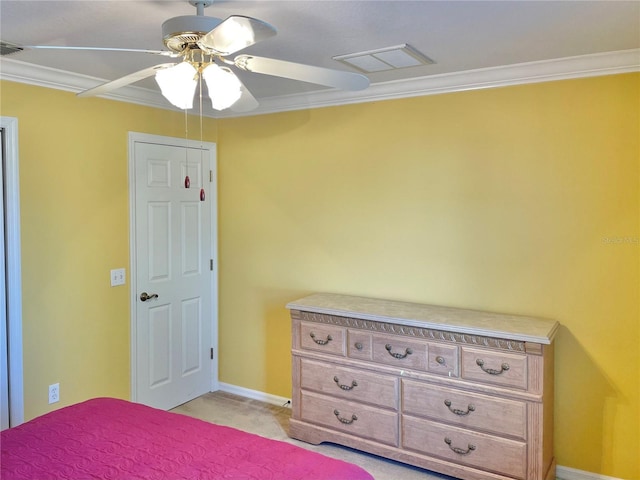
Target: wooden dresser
<point>464,393</point>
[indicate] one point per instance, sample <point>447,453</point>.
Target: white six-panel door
<point>173,258</point>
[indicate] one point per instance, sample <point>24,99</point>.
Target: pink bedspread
<point>106,438</point>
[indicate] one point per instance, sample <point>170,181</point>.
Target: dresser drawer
<point>482,412</point>
<point>323,338</point>
<point>360,345</point>
<point>354,418</point>
<point>349,383</point>
<point>443,359</point>
<point>486,452</point>
<point>506,369</point>
<point>400,352</point>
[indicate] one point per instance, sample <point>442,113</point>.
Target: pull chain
<point>202,195</point>
<point>187,182</point>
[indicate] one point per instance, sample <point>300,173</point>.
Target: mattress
<point>106,438</point>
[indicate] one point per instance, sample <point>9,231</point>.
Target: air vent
<point>390,58</point>
<point>9,48</point>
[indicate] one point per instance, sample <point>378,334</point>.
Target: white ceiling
<point>460,36</point>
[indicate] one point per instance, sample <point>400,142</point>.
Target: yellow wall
<point>75,229</point>
<point>522,200</point>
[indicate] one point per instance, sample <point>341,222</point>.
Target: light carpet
<point>273,422</point>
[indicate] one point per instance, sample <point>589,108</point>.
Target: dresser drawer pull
<point>440,360</point>
<point>462,413</point>
<point>346,421</point>
<point>491,371</point>
<point>400,356</point>
<point>320,341</point>
<point>345,387</point>
<point>458,450</point>
<point>358,345</point>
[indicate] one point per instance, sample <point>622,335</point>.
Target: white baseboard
<point>255,395</point>
<point>566,473</point>
<point>562,473</point>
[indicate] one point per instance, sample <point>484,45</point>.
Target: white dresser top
<point>509,327</point>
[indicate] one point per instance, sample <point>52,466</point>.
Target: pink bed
<point>105,438</point>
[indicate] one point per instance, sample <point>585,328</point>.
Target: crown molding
<point>609,63</point>
<point>32,74</point>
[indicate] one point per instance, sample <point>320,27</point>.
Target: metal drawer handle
<point>400,356</point>
<point>491,371</point>
<point>319,341</point>
<point>440,360</point>
<point>346,421</point>
<point>358,345</point>
<point>460,451</point>
<point>462,413</point>
<point>345,387</point>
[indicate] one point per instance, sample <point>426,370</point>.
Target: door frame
<point>213,196</point>
<point>13,266</point>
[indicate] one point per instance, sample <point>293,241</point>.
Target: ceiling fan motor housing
<point>180,33</point>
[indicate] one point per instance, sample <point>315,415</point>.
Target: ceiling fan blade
<point>247,101</point>
<point>301,72</point>
<point>166,53</point>
<point>234,34</point>
<point>122,81</point>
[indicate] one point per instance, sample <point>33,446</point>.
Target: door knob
<point>144,296</point>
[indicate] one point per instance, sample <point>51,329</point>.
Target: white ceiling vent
<point>390,58</point>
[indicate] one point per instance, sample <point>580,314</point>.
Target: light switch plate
<point>118,277</point>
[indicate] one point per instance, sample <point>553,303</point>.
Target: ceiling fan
<point>204,45</point>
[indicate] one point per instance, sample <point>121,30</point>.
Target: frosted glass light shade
<point>178,84</point>
<point>224,87</point>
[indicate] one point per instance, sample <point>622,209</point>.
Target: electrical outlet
<point>118,277</point>
<point>54,393</point>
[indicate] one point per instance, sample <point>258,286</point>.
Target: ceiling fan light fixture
<point>178,84</point>
<point>224,87</point>
<point>200,41</point>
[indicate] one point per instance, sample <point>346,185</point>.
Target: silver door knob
<point>144,296</point>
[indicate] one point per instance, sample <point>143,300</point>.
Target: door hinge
<point>210,176</point>
<point>211,264</point>
<point>211,353</point>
